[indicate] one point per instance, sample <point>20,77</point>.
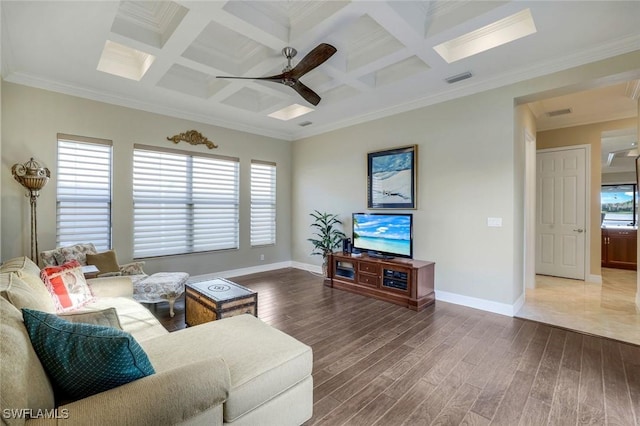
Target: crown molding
<point>598,53</point>
<point>109,98</point>
<point>633,90</point>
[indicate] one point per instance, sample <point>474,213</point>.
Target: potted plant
<point>327,236</point>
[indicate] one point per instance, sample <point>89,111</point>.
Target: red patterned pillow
<point>67,286</point>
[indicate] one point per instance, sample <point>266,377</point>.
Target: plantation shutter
<point>83,192</point>
<point>184,202</point>
<point>263,203</point>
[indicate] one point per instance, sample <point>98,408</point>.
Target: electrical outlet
<point>262,257</point>
<point>494,222</point>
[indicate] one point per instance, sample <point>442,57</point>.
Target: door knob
<point>579,230</point>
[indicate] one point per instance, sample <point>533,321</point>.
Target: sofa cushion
<point>75,252</point>
<point>105,317</point>
<point>67,285</point>
<point>134,318</point>
<point>263,361</point>
<point>47,258</point>
<point>23,264</point>
<point>24,381</point>
<point>85,359</point>
<point>105,261</point>
<point>26,291</point>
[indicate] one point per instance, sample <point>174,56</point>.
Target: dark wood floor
<point>377,363</point>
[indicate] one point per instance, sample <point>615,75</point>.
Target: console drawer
<point>371,280</point>
<point>369,268</point>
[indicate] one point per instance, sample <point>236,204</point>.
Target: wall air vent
<point>457,78</point>
<point>559,112</point>
<point>305,123</point>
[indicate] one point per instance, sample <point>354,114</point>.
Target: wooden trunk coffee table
<point>216,299</point>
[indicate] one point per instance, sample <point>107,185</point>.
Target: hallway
<point>606,309</point>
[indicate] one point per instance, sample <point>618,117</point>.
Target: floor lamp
<point>34,177</point>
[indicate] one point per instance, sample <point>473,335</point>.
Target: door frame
<point>531,211</point>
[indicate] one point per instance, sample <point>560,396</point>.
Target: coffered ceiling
<point>164,56</point>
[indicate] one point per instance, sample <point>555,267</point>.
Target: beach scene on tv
<point>389,234</point>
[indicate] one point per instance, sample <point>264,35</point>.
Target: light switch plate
<point>494,222</point>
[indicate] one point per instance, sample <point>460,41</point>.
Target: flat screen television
<point>384,235</point>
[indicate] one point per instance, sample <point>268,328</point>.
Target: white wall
<point>471,167</point>
<point>31,119</point>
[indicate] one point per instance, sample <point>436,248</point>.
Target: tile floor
<point>606,309</point>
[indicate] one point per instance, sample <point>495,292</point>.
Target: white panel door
<point>561,213</point>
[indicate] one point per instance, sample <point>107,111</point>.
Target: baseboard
<point>594,279</point>
<point>518,304</point>
<point>482,304</point>
<point>242,271</point>
<point>307,267</point>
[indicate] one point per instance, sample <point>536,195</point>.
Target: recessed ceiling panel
<point>227,50</point>
<point>396,72</point>
<point>365,41</point>
<point>316,79</point>
<point>191,82</point>
<point>338,94</point>
<point>124,61</point>
<point>284,19</point>
<point>149,22</point>
<point>251,100</point>
<point>432,17</point>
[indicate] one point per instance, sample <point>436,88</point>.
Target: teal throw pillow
<point>85,359</point>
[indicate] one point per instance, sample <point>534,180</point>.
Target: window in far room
<point>619,205</point>
<point>83,193</point>
<point>263,203</point>
<point>183,202</point>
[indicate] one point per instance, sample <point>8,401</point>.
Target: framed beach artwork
<point>391,178</point>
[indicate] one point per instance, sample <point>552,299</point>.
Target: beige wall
<point>31,119</point>
<point>587,135</point>
<point>471,167</point>
<point>465,175</point>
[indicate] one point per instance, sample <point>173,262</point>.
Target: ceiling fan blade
<point>311,96</point>
<point>275,78</point>
<point>317,56</point>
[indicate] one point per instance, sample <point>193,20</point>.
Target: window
<point>183,202</point>
<point>83,203</point>
<point>263,203</point>
<point>619,205</point>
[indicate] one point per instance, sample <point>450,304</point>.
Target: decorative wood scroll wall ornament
<point>193,137</point>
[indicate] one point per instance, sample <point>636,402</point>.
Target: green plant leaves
<point>328,236</point>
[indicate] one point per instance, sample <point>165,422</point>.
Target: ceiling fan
<point>290,76</point>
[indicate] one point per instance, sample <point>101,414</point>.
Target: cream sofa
<point>236,371</point>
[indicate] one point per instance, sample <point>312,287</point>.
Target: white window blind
<point>183,202</point>
<point>263,203</point>
<point>83,204</point>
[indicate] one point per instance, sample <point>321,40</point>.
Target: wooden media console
<point>405,282</point>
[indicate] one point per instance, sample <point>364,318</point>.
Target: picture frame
<point>392,178</point>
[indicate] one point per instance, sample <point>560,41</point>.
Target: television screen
<point>383,234</point>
